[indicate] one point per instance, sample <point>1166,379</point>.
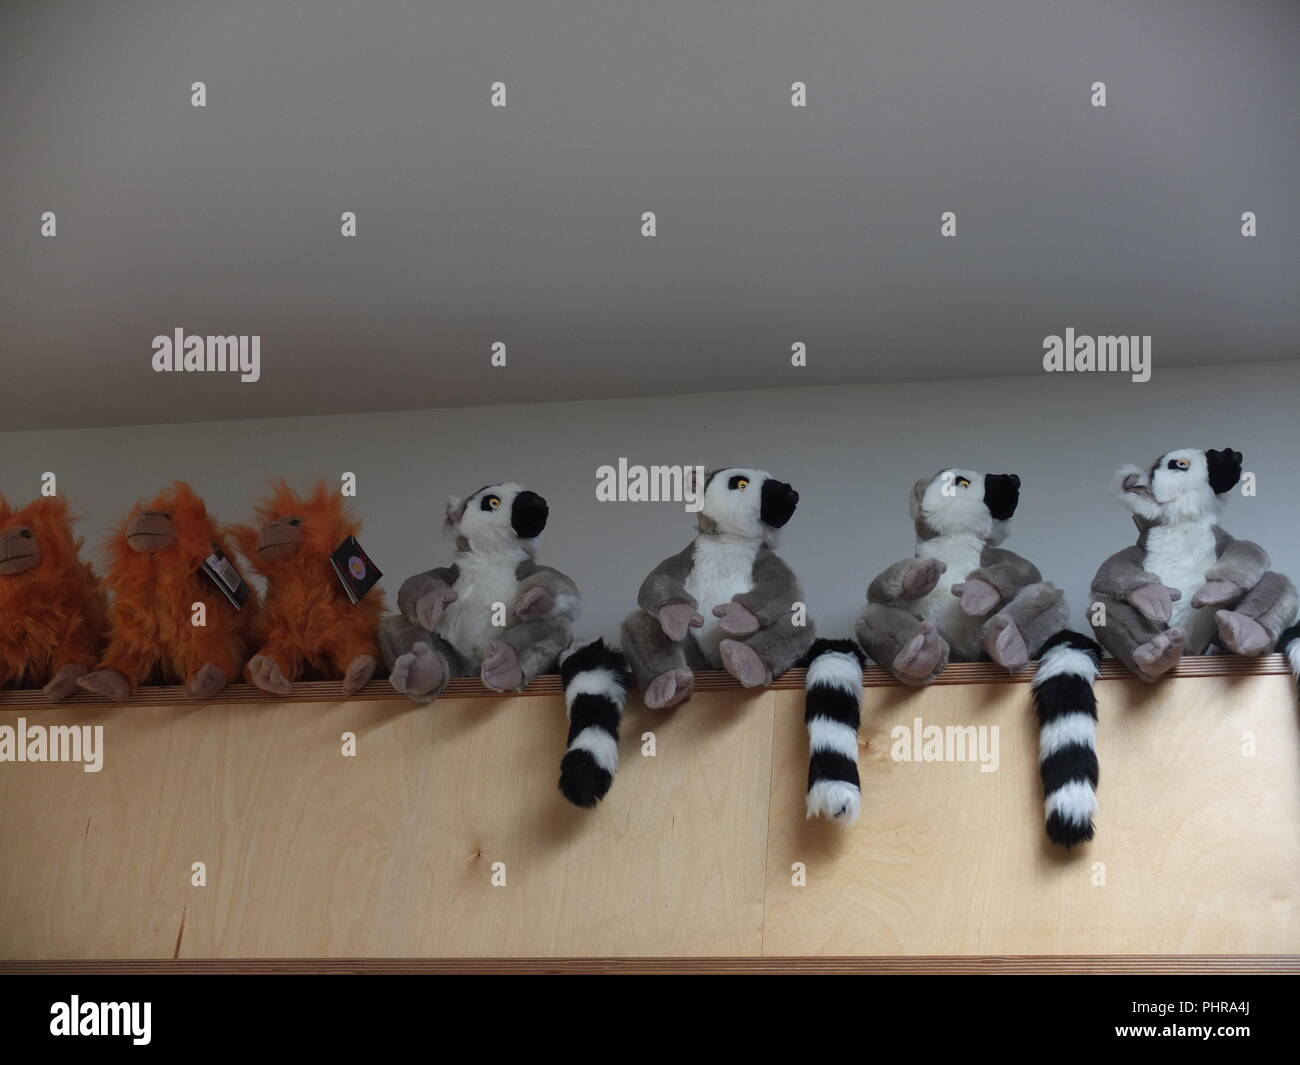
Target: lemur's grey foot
<point>1159,655</point>
<point>743,663</point>
<point>921,655</point>
<point>265,674</point>
<point>1005,645</point>
<point>501,669</point>
<point>1242,635</point>
<point>669,689</point>
<point>359,672</point>
<point>417,673</point>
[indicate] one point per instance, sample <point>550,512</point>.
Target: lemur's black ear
<point>1225,469</point>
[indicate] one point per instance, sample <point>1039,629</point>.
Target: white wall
<point>852,453</point>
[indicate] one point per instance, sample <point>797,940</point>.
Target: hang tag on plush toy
<point>355,571</point>
<point>221,572</point>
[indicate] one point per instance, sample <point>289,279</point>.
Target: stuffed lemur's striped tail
<point>832,711</point>
<point>595,689</point>
<point>1289,644</point>
<point>1067,736</point>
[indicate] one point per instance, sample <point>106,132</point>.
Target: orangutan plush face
<point>151,531</point>
<point>281,539</point>
<point>19,550</point>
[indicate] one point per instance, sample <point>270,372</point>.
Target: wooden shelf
<point>384,859</point>
<point>551,684</point>
<point>973,964</point>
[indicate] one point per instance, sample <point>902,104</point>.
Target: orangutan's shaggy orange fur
<point>153,637</point>
<point>308,622</point>
<point>54,615</point>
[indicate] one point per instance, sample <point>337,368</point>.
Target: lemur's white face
<point>1182,485</point>
<point>498,517</point>
<point>745,502</point>
<point>958,501</point>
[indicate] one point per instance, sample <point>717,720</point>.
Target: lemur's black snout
<point>1001,494</point>
<point>528,515</point>
<point>779,501</point>
<point>1225,469</point>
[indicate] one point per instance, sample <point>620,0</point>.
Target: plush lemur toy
<point>1187,585</point>
<point>308,621</point>
<point>993,604</point>
<point>157,581</point>
<point>54,611</point>
<point>726,600</point>
<point>494,611</point>
<point>1288,644</point>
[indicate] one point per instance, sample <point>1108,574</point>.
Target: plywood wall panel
<point>391,852</point>
<point>1198,845</point>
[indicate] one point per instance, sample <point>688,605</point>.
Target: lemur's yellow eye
<point>494,502</point>
<point>1183,464</point>
<point>963,482</point>
<point>742,484</point>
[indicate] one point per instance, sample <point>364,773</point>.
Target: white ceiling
<point>522,225</point>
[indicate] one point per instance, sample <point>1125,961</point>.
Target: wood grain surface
<point>389,855</point>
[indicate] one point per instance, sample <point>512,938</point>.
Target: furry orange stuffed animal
<point>309,622</point>
<point>156,583</point>
<point>54,611</point>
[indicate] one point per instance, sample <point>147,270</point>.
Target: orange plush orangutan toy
<point>309,622</point>
<point>172,622</point>
<point>53,610</point>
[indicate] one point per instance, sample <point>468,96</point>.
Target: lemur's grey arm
<point>1122,574</point>
<point>887,588</point>
<point>1006,571</point>
<point>414,588</point>
<point>1241,563</point>
<point>776,589</point>
<point>558,595</point>
<point>666,583</point>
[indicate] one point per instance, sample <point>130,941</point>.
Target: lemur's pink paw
<point>669,689</point>
<point>417,673</point>
<point>677,619</point>
<point>1242,635</point>
<point>743,663</point>
<point>921,576</point>
<point>1216,593</point>
<point>360,670</point>
<point>1005,645</point>
<point>978,598</point>
<point>1155,602</point>
<point>922,655</point>
<point>1159,655</point>
<point>735,619</point>
<point>267,675</point>
<point>501,670</point>
<point>537,602</point>
<point>108,683</point>
<point>429,607</point>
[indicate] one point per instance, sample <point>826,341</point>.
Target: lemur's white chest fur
<point>961,553</point>
<point>1180,553</point>
<point>722,566</point>
<point>482,580</point>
